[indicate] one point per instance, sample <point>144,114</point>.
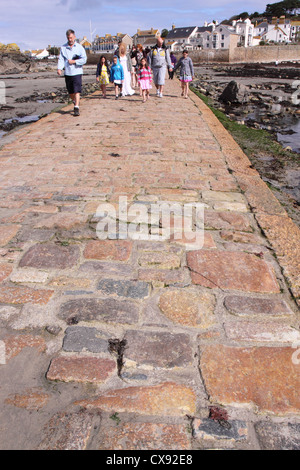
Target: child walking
<point>186,72</point>
<point>145,79</point>
<point>117,76</point>
<point>102,74</point>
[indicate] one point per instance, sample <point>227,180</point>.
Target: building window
<point>222,44</point>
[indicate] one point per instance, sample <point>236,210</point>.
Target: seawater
<point>291,140</point>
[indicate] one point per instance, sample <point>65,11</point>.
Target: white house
<point>40,54</point>
<point>245,30</point>
<point>276,34</point>
<point>182,38</point>
<point>279,31</point>
<point>221,37</point>
<point>295,30</point>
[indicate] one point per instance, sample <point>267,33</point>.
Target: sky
<point>35,24</point>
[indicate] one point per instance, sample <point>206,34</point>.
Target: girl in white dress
<point>125,61</point>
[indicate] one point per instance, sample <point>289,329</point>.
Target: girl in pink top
<point>145,79</point>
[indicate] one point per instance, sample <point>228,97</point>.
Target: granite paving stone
<point>119,250</point>
<point>81,338</point>
<point>5,271</point>
<point>80,369</point>
<point>158,349</point>
<point>146,436</point>
<point>130,289</point>
<point>32,399</point>
<point>50,256</point>
<point>226,220</point>
<point>273,436</point>
<point>108,310</point>
<point>165,399</point>
<point>189,307</point>
<point>262,332</point>
<point>251,306</point>
<point>14,344</point>
<point>232,270</point>
<point>69,430</point>
<point>23,295</point>
<point>204,429</point>
<point>236,375</point>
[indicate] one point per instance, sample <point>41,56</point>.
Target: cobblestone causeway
<point>127,343</point>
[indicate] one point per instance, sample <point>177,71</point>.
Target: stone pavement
<point>143,344</point>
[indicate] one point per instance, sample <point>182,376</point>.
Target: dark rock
<point>208,428</point>
<point>234,93</point>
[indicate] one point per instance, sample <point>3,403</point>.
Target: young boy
<point>117,76</point>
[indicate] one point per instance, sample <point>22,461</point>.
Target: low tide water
<point>290,137</point>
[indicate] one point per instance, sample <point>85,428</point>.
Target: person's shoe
<point>160,95</point>
<point>117,97</point>
<point>76,111</point>
<point>157,93</point>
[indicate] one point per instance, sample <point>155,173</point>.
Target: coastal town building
<point>183,38</point>
<point>295,31</point>
<point>211,36</point>
<point>222,37</point>
<point>245,30</point>
<point>39,54</point>
<point>109,43</point>
<point>85,43</point>
<point>278,31</point>
<point>146,38</point>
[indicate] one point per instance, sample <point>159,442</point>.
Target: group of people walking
<point>128,70</point>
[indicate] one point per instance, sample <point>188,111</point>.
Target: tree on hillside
<point>286,7</point>
<point>242,16</point>
<point>254,15</point>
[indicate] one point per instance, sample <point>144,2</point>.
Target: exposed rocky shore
<point>33,89</point>
<point>262,97</point>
